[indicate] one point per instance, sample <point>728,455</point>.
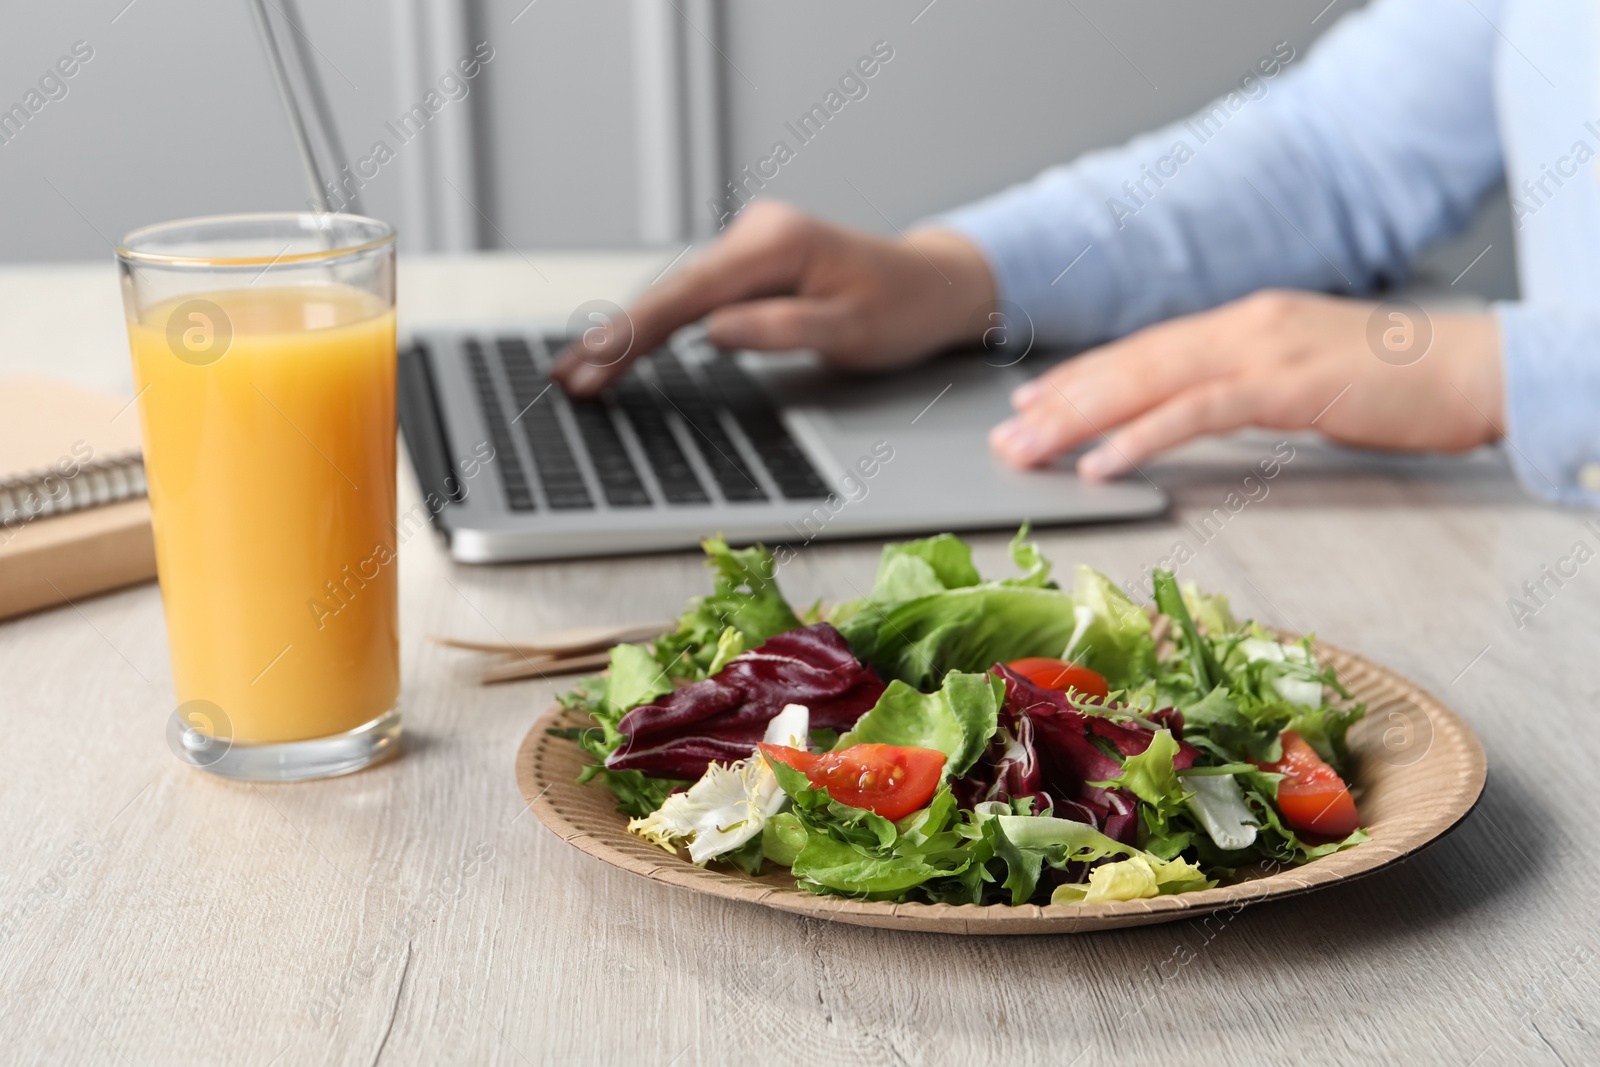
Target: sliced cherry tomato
<point>1058,674</point>
<point>1312,796</point>
<point>890,780</point>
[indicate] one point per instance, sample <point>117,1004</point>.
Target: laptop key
<point>620,483</point>
<point>782,456</point>
<point>644,412</point>
<point>512,480</point>
<point>554,463</point>
<point>722,456</point>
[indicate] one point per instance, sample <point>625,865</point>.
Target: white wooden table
<point>416,914</point>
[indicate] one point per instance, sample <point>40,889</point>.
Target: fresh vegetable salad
<point>955,740</point>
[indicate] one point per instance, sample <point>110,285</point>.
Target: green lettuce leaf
<point>974,627</point>
<point>635,678</point>
<point>744,609</point>
<point>747,857</point>
<point>1030,561</point>
<point>833,848</point>
<point>1324,729</point>
<point>1211,612</point>
<point>1134,874</point>
<point>1218,805</point>
<point>916,568</point>
<point>1168,845</point>
<point>1277,841</point>
<point>1265,687</point>
<point>798,786</point>
<point>1202,660</point>
<point>782,838</point>
<point>968,629</point>
<point>1151,777</point>
<point>729,645</point>
<point>849,868</point>
<point>1220,719</point>
<point>1023,865</point>
<point>1134,878</point>
<point>934,583</point>
<point>928,831</point>
<point>745,596</point>
<point>907,570</point>
<point>1062,841</point>
<point>818,810</point>
<point>1111,634</point>
<point>637,793</point>
<point>958,720</point>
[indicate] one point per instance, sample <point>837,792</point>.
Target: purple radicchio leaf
<point>1047,749</point>
<point>724,717</point>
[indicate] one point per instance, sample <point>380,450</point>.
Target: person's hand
<point>780,280</point>
<point>1283,360</point>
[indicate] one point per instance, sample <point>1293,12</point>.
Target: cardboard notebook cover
<point>58,439</point>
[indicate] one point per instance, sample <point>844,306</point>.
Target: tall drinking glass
<point>264,359</point>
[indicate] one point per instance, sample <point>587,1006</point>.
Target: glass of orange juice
<point>264,359</point>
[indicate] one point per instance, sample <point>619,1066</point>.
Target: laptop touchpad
<point>953,393</point>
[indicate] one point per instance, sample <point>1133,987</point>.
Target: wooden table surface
<point>415,913</point>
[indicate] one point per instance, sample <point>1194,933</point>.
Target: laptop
<point>694,441</point>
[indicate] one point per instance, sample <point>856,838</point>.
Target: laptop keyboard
<point>679,483</point>
<point>733,475</point>
<point>637,442</point>
<point>557,471</point>
<point>512,480</point>
<point>796,478</point>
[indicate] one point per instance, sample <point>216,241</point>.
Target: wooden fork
<point>566,642</point>
<point>567,652</point>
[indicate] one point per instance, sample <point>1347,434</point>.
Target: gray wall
<point>556,149</point>
<point>980,95</point>
<point>174,115</point>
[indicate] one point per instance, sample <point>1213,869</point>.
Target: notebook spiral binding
<point>51,491</point>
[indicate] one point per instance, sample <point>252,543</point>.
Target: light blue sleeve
<point>1551,359</point>
<point>1331,175</point>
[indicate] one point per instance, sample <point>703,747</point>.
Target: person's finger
<point>778,324</point>
<point>1067,413</point>
<point>1216,407</point>
<point>763,254</point>
<point>1040,433</point>
<point>1109,385</point>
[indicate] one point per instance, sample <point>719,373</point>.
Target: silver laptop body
<point>694,441</point>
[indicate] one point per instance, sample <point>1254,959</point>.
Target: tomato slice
<point>890,780</point>
<point>1059,674</point>
<point>1312,796</point>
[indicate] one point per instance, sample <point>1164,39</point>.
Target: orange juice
<point>272,480</point>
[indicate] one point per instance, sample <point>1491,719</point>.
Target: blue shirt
<point>1331,171</point>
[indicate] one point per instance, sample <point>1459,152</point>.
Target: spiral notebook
<point>74,520</point>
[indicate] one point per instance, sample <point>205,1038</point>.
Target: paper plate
<point>1418,770</point>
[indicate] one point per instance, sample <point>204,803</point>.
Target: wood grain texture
<point>417,914</point>
<point>1417,771</point>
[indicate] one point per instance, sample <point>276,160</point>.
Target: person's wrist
<point>1473,341</point>
<point>958,304</point>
